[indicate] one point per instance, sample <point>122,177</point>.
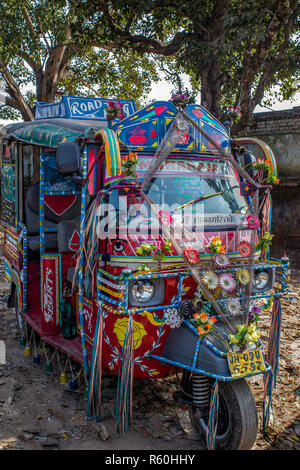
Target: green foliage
<point>235,53</point>
<point>47,54</point>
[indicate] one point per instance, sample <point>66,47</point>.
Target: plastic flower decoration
<point>168,245</point>
<point>234,307</point>
<point>272,179</point>
<point>143,268</point>
<point>243,276</point>
<point>144,249</point>
<point>245,248</point>
<point>222,260</point>
<point>265,241</point>
<point>211,280</point>
<point>114,111</point>
<point>234,113</point>
<point>246,334</point>
<point>254,313</point>
<point>129,163</point>
<point>205,323</point>
<point>191,255</point>
<point>180,100</point>
<point>227,282</point>
<point>165,217</point>
<point>216,246</point>
<point>260,164</point>
<point>253,222</point>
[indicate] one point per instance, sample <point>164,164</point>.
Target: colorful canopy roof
<point>142,130</point>
<point>51,132</point>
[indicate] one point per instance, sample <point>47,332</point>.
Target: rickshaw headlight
<point>263,280</point>
<point>142,291</point>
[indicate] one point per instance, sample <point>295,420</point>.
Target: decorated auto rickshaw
<point>137,243</point>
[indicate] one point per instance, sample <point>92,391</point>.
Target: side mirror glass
<point>68,158</point>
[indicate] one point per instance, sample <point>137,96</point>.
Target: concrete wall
<point>281,131</point>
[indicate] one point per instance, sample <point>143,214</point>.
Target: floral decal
<point>172,318</point>
<point>120,329</point>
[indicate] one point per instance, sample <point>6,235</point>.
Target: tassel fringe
<point>95,385</point>
<point>124,412</point>
<point>211,432</point>
<point>272,358</point>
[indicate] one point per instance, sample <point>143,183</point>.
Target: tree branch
<point>15,93</point>
<point>136,41</point>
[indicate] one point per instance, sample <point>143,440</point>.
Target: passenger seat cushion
<point>50,242</point>
<point>57,208</point>
<point>33,222</point>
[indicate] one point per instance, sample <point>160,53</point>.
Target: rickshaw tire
<point>242,418</point>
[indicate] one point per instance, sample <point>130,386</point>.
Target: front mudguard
<point>185,349</point>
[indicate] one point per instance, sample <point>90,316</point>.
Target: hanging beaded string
<point>71,369</point>
<point>46,355</point>
<point>63,370</point>
<point>34,342</point>
<point>28,342</point>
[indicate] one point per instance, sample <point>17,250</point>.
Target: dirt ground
<point>37,413</point>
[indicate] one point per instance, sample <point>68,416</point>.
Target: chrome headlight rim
<point>259,277</point>
<point>136,291</point>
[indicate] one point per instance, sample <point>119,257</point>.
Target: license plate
<point>246,363</point>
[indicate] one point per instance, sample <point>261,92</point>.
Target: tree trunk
<point>51,75</point>
<point>211,90</point>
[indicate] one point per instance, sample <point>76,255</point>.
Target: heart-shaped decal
<point>60,204</point>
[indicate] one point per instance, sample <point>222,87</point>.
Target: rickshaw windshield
<point>207,188</point>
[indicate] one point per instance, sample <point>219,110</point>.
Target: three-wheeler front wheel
<point>237,417</point>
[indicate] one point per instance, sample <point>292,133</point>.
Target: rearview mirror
<point>68,158</point>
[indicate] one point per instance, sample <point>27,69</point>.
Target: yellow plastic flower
<point>243,276</point>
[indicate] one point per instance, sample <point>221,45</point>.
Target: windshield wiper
<point>198,199</point>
